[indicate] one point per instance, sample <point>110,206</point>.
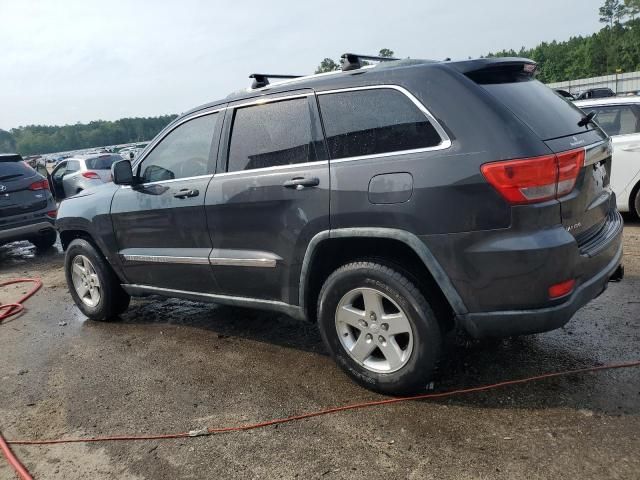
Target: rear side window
<point>102,163</point>
<point>617,119</point>
<point>15,171</point>
<point>548,114</point>
<point>73,166</point>
<point>372,122</point>
<point>272,134</point>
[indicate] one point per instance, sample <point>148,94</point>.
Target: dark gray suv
<point>387,203</point>
<point>27,207</point>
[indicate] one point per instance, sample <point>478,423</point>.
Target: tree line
<point>39,139</point>
<point>614,49</point>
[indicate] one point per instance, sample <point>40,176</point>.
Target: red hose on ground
<point>10,309</point>
<point>24,474</point>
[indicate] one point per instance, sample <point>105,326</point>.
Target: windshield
<point>102,163</point>
<point>15,170</point>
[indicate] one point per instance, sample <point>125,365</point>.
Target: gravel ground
<point>173,365</point>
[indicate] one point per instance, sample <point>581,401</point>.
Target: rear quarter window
<point>617,119</point>
<point>102,163</point>
<point>372,122</point>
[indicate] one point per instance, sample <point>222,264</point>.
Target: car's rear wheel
<point>635,203</point>
<point>92,283</point>
<point>45,240</point>
<point>379,328</point>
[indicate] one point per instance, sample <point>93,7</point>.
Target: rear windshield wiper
<point>587,119</point>
<point>9,177</point>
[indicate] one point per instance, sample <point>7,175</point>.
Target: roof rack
<point>262,79</point>
<point>353,61</point>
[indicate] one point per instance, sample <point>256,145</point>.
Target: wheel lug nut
<point>363,323</point>
<point>381,339</point>
<point>369,337</point>
<point>384,326</point>
<point>372,316</point>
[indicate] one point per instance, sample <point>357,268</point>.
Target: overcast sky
<point>70,61</point>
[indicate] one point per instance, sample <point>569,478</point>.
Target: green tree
<point>612,12</point>
<point>385,52</point>
<point>327,65</point>
<point>633,8</point>
<point>7,142</point>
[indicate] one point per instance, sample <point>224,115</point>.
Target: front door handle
<point>300,182</point>
<point>187,193</point>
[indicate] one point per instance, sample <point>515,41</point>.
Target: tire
<point>110,299</point>
<point>403,373</point>
<point>635,204</point>
<point>46,240</point>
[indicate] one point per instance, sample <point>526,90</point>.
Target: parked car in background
<point>565,94</point>
<point>620,118</point>
<point>73,175</point>
<point>388,204</point>
<point>27,208</point>
<point>596,93</point>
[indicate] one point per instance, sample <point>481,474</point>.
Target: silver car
<point>73,175</point>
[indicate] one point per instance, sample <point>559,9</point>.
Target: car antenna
<point>262,79</point>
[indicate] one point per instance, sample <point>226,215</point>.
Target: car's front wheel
<point>379,328</point>
<point>92,283</point>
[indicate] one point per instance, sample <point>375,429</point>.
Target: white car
<point>620,118</point>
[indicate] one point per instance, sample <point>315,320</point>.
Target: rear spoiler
<point>10,157</point>
<point>492,64</point>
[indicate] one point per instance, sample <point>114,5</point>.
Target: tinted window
<point>14,171</point>
<point>102,163</point>
<point>277,133</point>
<point>369,122</point>
<point>545,112</point>
<point>182,153</point>
<point>617,119</point>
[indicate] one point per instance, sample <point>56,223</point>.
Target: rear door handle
<point>300,182</point>
<point>187,193</point>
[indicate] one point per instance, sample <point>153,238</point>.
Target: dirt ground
<point>172,365</point>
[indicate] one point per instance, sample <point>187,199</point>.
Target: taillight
<point>52,214</point>
<point>531,180</point>
<point>92,175</point>
<point>561,289</point>
<point>39,185</point>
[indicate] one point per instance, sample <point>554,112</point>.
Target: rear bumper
<point>25,232</point>
<point>522,322</point>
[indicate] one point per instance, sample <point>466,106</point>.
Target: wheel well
<point>68,236</point>
<point>333,253</point>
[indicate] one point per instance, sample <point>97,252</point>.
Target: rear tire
<point>93,285</point>
<point>45,241</point>
<point>635,203</point>
<point>379,328</point>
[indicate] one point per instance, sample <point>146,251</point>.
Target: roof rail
<point>353,61</point>
<point>262,79</point>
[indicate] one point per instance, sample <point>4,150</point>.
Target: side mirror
<point>121,172</point>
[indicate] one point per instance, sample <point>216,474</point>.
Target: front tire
<point>379,328</point>
<point>92,283</point>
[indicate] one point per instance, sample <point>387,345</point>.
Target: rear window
<point>373,122</point>
<point>617,119</point>
<point>15,171</point>
<point>102,163</point>
<point>544,111</point>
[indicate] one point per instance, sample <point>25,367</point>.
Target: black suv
<point>27,208</point>
<point>389,203</point>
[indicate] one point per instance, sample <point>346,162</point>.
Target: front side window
<point>271,134</point>
<point>617,119</point>
<point>371,122</point>
<point>183,153</point>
